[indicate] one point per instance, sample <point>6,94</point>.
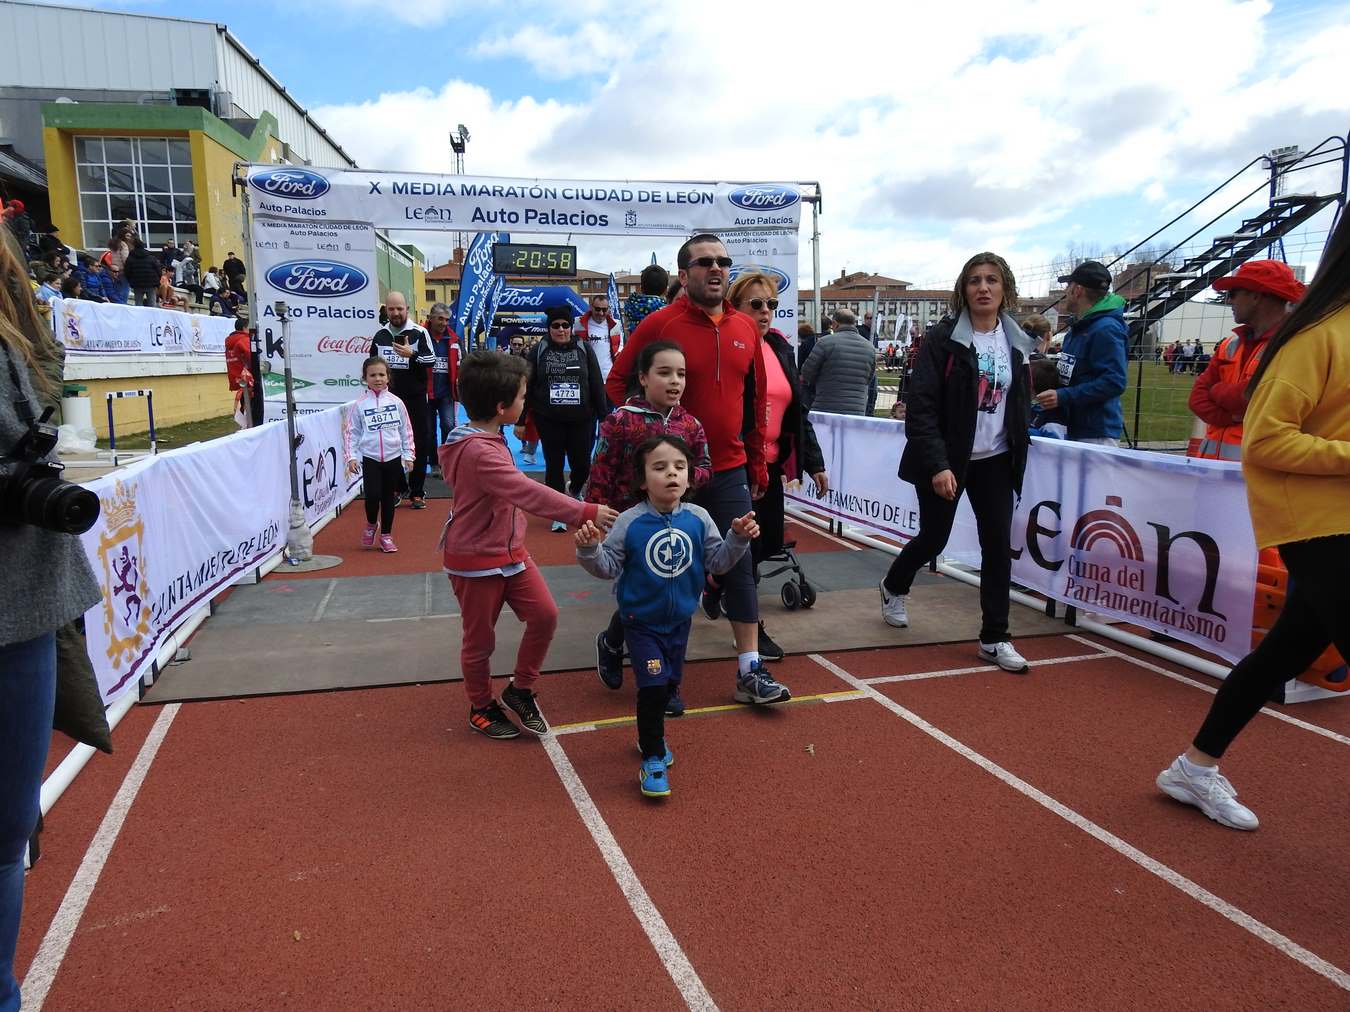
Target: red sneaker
<point>368,536</point>
<point>387,543</point>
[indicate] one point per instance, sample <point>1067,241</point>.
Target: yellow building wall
<point>220,219</point>
<point>178,399</point>
<point>63,195</point>
<point>419,291</point>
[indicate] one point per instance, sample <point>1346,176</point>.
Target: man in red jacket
<point>1260,293</point>
<point>725,390</point>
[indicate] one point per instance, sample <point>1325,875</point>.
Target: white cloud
<point>933,129</point>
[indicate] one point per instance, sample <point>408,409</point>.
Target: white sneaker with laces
<point>1005,657</point>
<point>893,610</point>
<point>1210,792</point>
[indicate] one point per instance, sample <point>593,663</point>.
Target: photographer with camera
<point>47,581</point>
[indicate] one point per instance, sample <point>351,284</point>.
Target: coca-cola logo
<point>344,345</point>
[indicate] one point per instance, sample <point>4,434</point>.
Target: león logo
<point>126,590</point>
<point>71,325</point>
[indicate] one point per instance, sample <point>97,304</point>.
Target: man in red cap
<point>1260,292</point>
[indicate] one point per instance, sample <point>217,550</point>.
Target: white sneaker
<point>1005,657</point>
<point>527,459</point>
<point>1210,792</point>
<point>893,609</point>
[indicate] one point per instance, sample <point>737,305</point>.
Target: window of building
<point>431,295</point>
<point>145,179</point>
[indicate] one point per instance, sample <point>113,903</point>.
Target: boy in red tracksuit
<point>484,542</point>
<point>237,352</point>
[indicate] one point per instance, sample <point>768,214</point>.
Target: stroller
<point>796,592</point>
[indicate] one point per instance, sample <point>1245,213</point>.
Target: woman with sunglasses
<point>788,433</point>
<point>564,397</point>
<point>966,431</point>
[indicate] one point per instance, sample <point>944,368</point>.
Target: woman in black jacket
<point>142,272</point>
<point>790,445</point>
<point>966,430</point>
<point>564,397</point>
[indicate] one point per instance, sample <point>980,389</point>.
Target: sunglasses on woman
<point>559,325</point>
<point>758,304</point>
<point>706,262</point>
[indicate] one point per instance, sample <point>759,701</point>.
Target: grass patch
<point>173,436</point>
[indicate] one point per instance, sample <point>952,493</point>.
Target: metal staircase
<point>1172,287</point>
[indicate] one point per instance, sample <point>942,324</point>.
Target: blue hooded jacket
<point>660,560</point>
<point>1092,367</point>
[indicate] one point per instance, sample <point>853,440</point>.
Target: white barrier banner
<point>178,527</point>
<point>325,273</point>
<point>1159,541</point>
<point>407,200</point>
<point>104,328</point>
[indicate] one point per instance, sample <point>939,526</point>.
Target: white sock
<point>1192,770</point>
<point>744,662</point>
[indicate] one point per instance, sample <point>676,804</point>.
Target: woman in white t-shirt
<point>966,431</point>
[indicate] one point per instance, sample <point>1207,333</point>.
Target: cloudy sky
<point>935,130</point>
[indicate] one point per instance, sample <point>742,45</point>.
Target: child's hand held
<point>605,517</point>
<point>587,534</point>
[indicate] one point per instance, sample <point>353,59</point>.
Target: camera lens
<point>55,504</point>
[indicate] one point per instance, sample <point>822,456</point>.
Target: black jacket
<point>571,363</point>
<point>407,376</point>
<point>797,434</point>
<point>941,407</point>
<point>142,269</point>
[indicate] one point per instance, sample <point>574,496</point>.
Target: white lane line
<point>828,537</point>
<point>919,675</point>
<point>677,964</point>
<point>38,981</point>
<point>414,618</point>
<point>323,605</point>
<point>426,598</point>
<point>1314,728</point>
<point>1192,889</point>
<point>576,729</point>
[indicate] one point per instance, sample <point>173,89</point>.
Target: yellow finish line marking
<point>595,725</point>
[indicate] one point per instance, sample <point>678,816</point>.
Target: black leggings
<point>423,448</point>
<point>1316,614</point>
<point>651,719</point>
<point>383,482</point>
<point>572,441</point>
<point>989,486</point>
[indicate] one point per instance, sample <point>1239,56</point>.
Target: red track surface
<point>819,855</point>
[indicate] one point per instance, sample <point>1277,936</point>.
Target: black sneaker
<point>521,703</point>
<point>712,602</point>
<point>768,649</point>
<point>675,703</point>
<point>492,722</point>
<point>608,662</point>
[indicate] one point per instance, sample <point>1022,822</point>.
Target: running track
<point>911,833</point>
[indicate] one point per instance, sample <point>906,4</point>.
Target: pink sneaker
<point>368,536</point>
<point>387,543</point>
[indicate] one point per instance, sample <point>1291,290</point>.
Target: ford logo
<point>317,279</point>
<point>764,197</point>
<point>291,182</point>
<point>780,277</point>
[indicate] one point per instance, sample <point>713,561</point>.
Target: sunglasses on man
<point>707,262</point>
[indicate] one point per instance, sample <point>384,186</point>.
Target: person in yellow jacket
<point>1259,292</point>
<point>1296,461</point>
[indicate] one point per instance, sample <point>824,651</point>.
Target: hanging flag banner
<point>490,308</point>
<point>614,306</point>
<point>475,283</point>
<point>1162,542</point>
<point>406,200</point>
<point>773,253</point>
<point>325,273</point>
<point>104,328</point>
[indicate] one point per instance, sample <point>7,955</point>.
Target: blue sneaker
<point>759,687</point>
<point>669,758</point>
<point>675,703</point>
<point>652,777</point>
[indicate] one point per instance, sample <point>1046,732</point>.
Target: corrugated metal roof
<point>16,168</point>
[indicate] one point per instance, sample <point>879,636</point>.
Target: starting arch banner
<point>312,236</point>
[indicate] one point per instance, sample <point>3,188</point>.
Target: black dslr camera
<point>32,490</point>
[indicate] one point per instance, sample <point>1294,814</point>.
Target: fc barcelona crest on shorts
<point>654,666</point>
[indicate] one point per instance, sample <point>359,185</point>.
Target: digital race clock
<point>534,260</point>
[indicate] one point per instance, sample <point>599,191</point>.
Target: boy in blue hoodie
<point>660,550</point>
<point>1092,363</point>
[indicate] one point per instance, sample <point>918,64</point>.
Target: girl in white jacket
<point>377,437</point>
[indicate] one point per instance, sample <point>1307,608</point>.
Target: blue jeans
<point>442,411</point>
<point>27,696</point>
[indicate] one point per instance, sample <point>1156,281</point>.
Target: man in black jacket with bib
<point>406,349</point>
